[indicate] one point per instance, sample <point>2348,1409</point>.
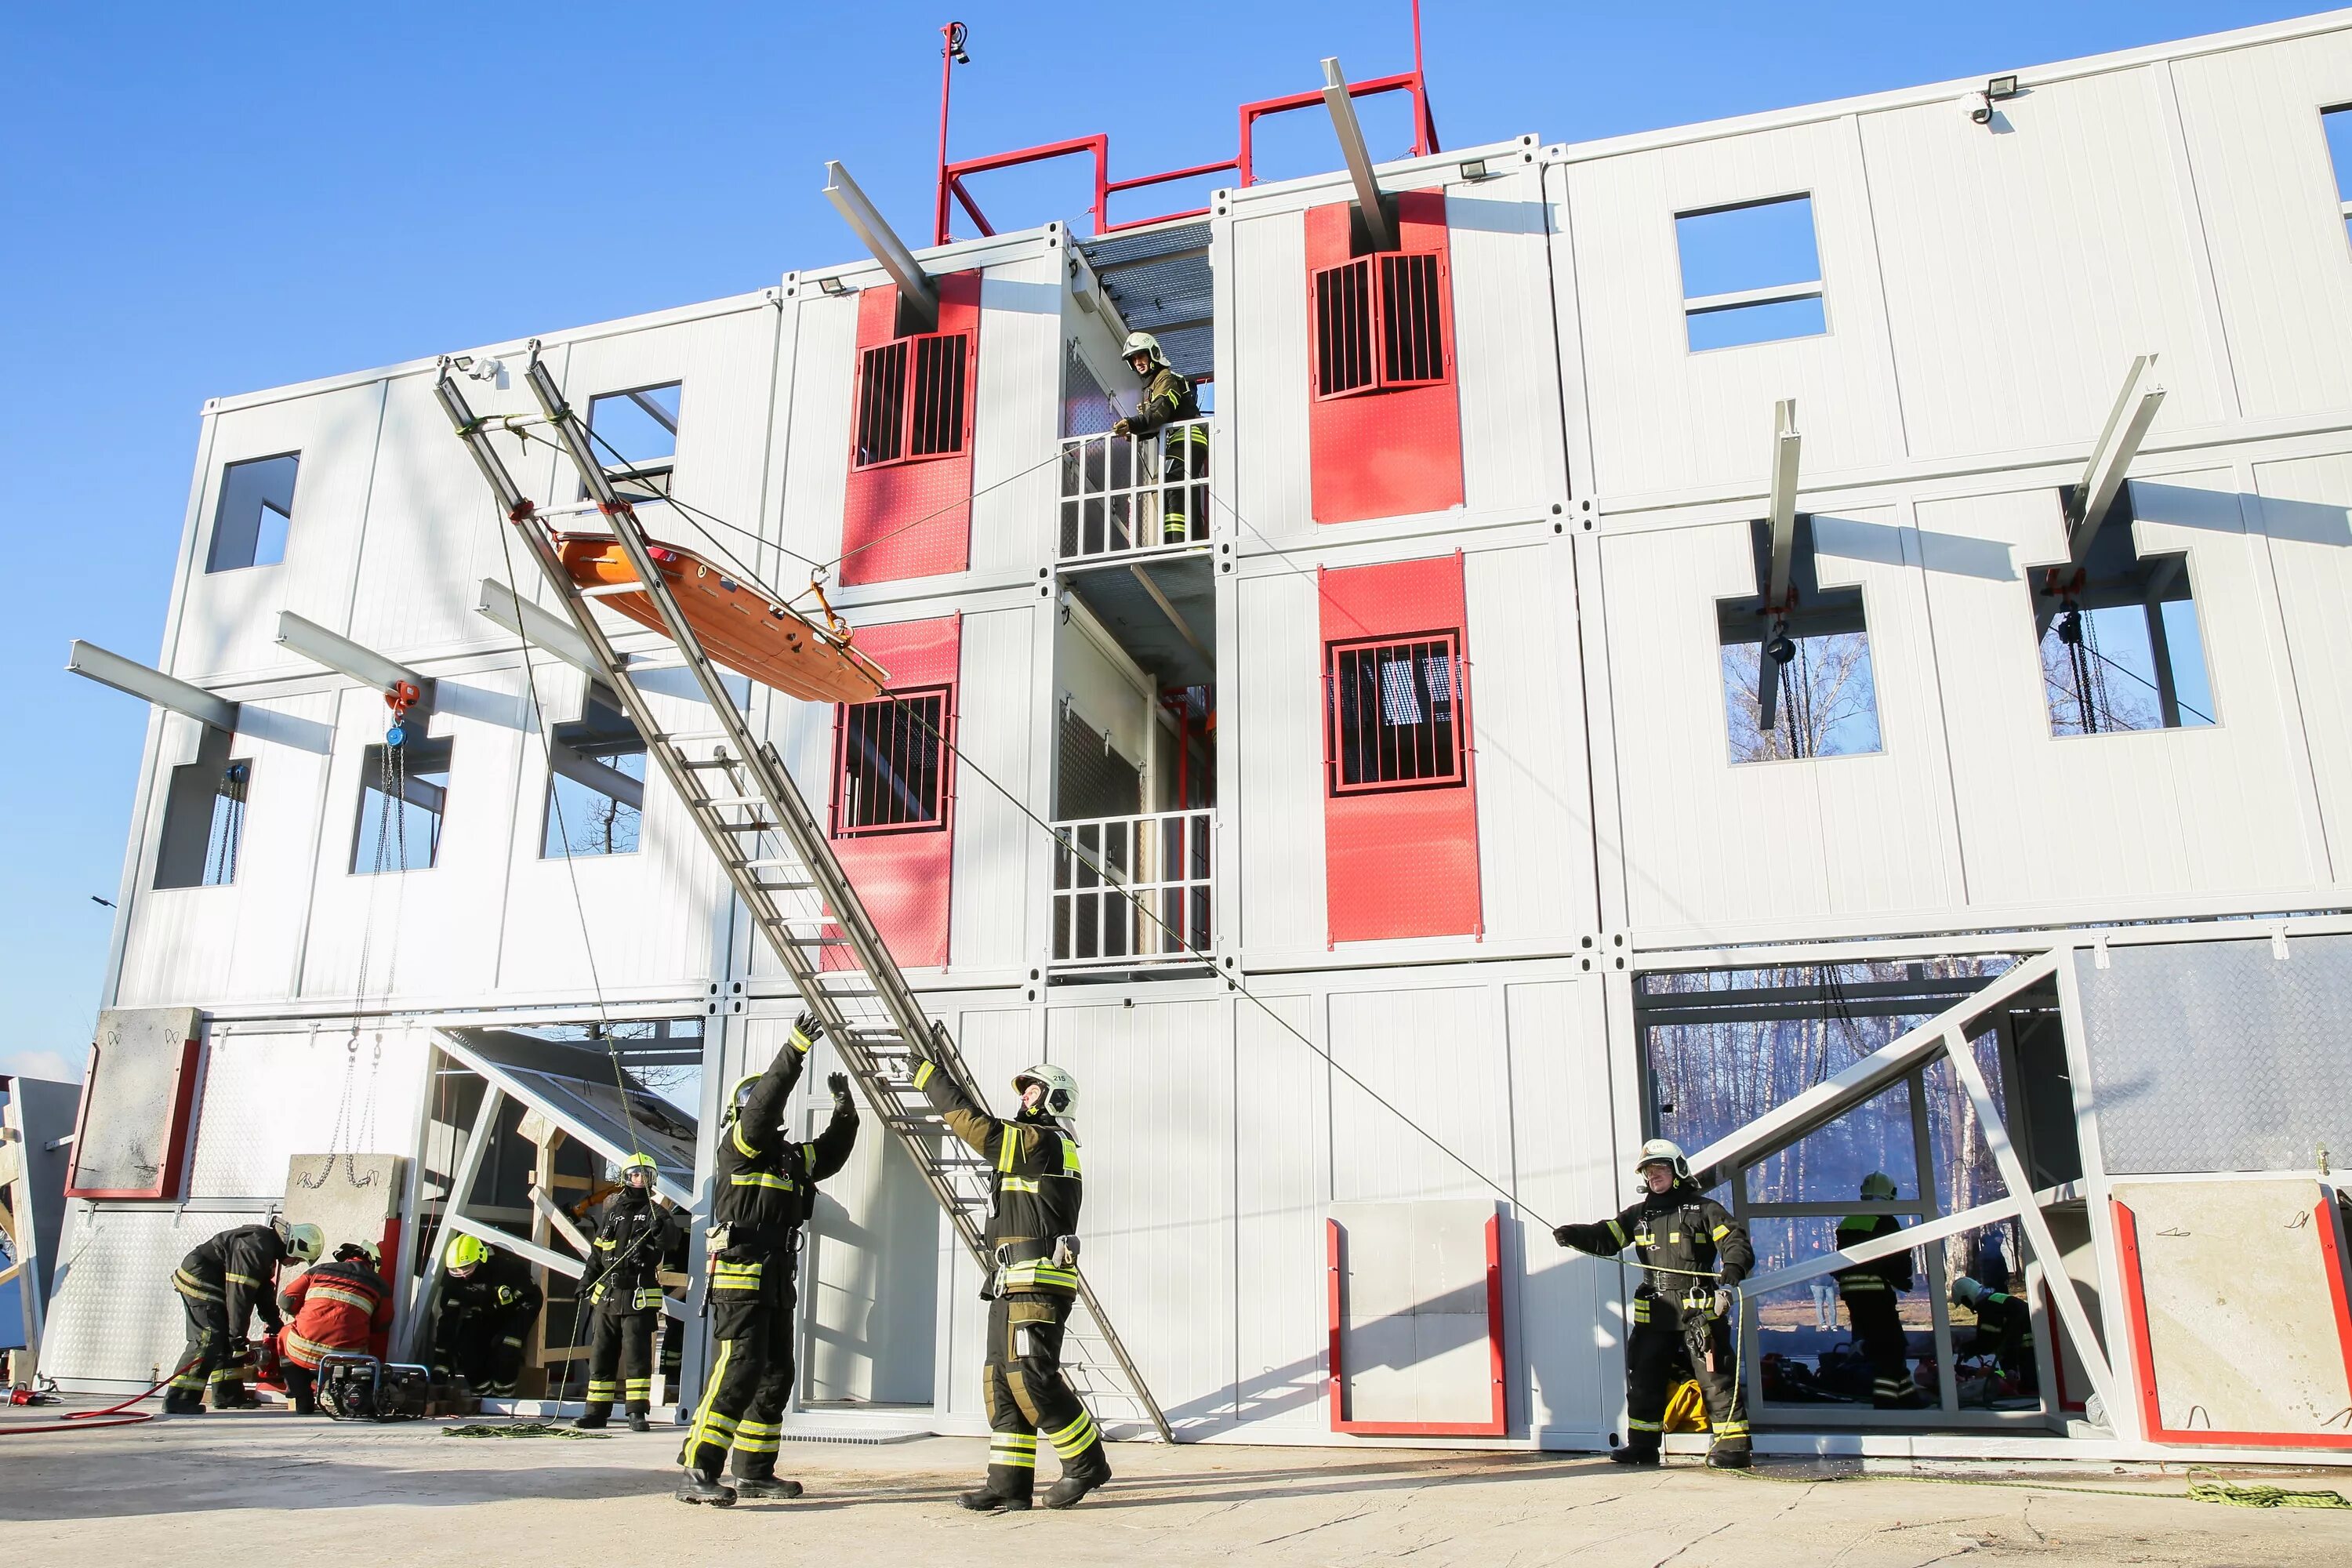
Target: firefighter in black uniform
<point>764,1187</point>
<point>1168,399</point>
<point>1033,1222</point>
<point>222,1285</point>
<point>2004,1331</point>
<point>488,1304</point>
<point>637,1237</point>
<point>1694,1254</point>
<point>1870,1291</point>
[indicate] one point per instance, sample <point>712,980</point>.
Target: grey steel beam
<point>339,653</point>
<point>541,628</point>
<point>914,283</point>
<point>1787,444</point>
<point>587,772</point>
<point>95,663</point>
<point>2111,455</point>
<point>1870,1251</point>
<point>461,1186</point>
<point>1342,105</point>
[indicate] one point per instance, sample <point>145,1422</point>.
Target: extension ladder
<point>779,858</point>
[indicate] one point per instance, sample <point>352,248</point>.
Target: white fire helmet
<point>1664,1152</point>
<point>1143,343</point>
<point>1061,1097</point>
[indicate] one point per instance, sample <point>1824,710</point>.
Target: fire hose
<point>112,1415</point>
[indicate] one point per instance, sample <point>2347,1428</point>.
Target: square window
<point>204,823</point>
<point>634,434</point>
<point>406,836</point>
<point>254,514</point>
<point>1394,711</point>
<point>596,790</point>
<point>1799,684</point>
<point>911,398</point>
<point>2120,645</point>
<point>1380,323</point>
<point>888,765</point>
<point>1751,273</point>
<point>2338,123</point>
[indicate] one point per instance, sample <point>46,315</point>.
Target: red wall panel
<point>879,545</point>
<point>1388,453</point>
<point>903,877</point>
<point>1399,863</point>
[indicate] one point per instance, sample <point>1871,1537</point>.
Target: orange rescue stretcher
<point>739,627</point>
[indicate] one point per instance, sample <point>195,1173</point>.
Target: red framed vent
<point>907,510</point>
<point>1400,801</point>
<point>893,807</point>
<point>1384,426</point>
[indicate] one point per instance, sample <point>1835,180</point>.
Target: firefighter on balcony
<point>1871,1290</point>
<point>1033,1222</point>
<point>489,1303</point>
<point>334,1308</point>
<point>1693,1255</point>
<point>764,1188</point>
<point>222,1285</point>
<point>1168,399</point>
<point>636,1236</point>
<point>2004,1331</point>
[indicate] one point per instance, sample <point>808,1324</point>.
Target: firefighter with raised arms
<point>764,1189</point>
<point>1692,1255</point>
<point>1036,1193</point>
<point>637,1237</point>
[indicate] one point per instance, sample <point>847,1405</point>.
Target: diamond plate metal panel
<point>268,1097</point>
<point>114,1316</point>
<point>2220,1055</point>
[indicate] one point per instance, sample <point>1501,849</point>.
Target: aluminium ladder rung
<point>610,590</point>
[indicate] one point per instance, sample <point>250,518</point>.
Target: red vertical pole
<point>946,70</point>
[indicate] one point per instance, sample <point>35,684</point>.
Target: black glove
<point>839,1083</point>
<point>809,1027</point>
<point>1559,1235</point>
<point>239,1346</point>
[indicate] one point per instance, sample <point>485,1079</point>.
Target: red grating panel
<point>910,440</point>
<point>1392,448</point>
<point>1399,861</point>
<point>904,875</point>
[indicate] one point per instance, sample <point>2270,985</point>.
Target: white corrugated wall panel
<point>114,1316</point>
<point>1665,418</point>
<point>1536,872</point>
<point>209,946</point>
<point>1155,1122</point>
<point>2304,514</point>
<point>1712,848</point>
<point>1385,1034</point>
<point>2273,228</point>
<point>426,933</point>
<point>2025,270</point>
<point>1017,422</point>
<point>1282,1190</point>
<point>1262,396</point>
<point>229,620</point>
<point>1273,840</point>
<point>1507,364</point>
<point>995,1043</point>
<point>2053,824</point>
<point>996,845</point>
<point>822,370</point>
<point>269,1096</point>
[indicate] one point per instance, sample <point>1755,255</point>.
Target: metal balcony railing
<point>1126,493</point>
<point>1133,889</point>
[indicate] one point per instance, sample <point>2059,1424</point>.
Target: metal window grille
<point>1135,492</point>
<point>1130,890</point>
<point>1412,331</point>
<point>1396,713</point>
<point>890,770</point>
<point>912,398</point>
<point>1344,330</point>
<point>1377,333</point>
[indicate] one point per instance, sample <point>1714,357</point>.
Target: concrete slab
<point>237,1489</point>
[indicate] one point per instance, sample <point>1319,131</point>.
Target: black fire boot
<point>987,1502</point>
<point>594,1418</point>
<point>235,1396</point>
<point>702,1486</point>
<point>1080,1477</point>
<point>179,1401</point>
<point>637,1422</point>
<point>1728,1456</point>
<point>1629,1455</point>
<point>755,1477</point>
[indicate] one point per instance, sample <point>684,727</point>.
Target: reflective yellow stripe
<point>606,1244</point>
<point>1731,1428</point>
<point>1041,1271</point>
<point>1073,1439</point>
<point>800,1042</point>
<point>1644,1426</point>
<point>923,1074</point>
<point>1641,1310</point>
<point>1069,1158</point>
<point>240,1279</point>
<point>1018,1184</point>
<point>187,1284</point>
<point>1013,1451</point>
<point>764,1179</point>
<point>707,1422</point>
<point>736,1132</point>
<point>1007,1150</point>
<point>346,1294</point>
<point>757,1436</point>
<point>1619,1232</point>
<point>1720,1233</point>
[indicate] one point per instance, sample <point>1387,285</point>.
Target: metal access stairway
<point>777,855</point>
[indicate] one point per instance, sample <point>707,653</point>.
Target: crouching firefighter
<point>222,1284</point>
<point>489,1303</point>
<point>335,1307</point>
<point>1033,1223</point>
<point>764,1187</point>
<point>1693,1255</point>
<point>637,1237</point>
<point>1168,399</point>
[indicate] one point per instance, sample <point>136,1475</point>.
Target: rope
<point>2223,1492</point>
<point>519,1429</point>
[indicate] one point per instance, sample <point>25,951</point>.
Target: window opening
<point>203,819</point>
<point>2119,641</point>
<point>1394,715</point>
<point>1799,682</point>
<point>2337,125</point>
<point>889,772</point>
<point>911,398</point>
<point>402,798</point>
<point>596,792</point>
<point>1751,273</point>
<point>637,430</point>
<point>255,513</point>
<point>1380,323</point>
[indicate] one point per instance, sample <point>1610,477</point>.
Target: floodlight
<point>1476,169</point>
<point>2001,88</point>
<point>832,286</point>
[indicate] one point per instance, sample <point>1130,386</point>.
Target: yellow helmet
<point>465,1250</point>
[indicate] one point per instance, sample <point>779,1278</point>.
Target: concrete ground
<point>250,1488</point>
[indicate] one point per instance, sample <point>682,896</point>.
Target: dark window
<point>406,835</point>
<point>2120,646</point>
<point>912,399</point>
<point>1343,329</point>
<point>596,790</point>
<point>889,772</point>
<point>204,823</point>
<point>1412,332</point>
<point>635,436</point>
<point>1394,711</point>
<point>1380,322</point>
<point>1799,684</point>
<point>255,513</point>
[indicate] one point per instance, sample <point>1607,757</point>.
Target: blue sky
<point>201,201</point>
